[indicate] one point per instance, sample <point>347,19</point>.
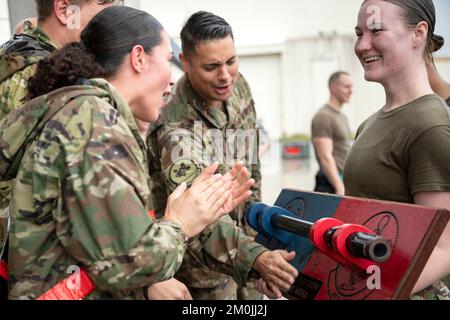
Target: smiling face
<point>213,69</point>
<point>385,42</point>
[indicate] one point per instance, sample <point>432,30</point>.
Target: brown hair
<point>416,11</point>
<point>45,7</point>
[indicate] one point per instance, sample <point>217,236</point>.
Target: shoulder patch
<point>183,170</point>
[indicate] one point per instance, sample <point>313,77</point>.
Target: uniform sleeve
<point>321,127</point>
<point>226,249</point>
<point>182,155</point>
<point>256,167</point>
<point>105,225</point>
<point>256,188</point>
<point>429,161</point>
<point>14,89</point>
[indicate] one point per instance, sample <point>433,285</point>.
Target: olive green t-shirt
<point>330,123</point>
<point>401,152</point>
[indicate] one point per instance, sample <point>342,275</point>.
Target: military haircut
<point>203,26</point>
<point>335,77</point>
<point>45,7</point>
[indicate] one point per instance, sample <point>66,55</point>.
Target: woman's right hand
<point>201,205</point>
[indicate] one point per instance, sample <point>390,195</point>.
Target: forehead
<point>345,79</point>
<point>219,50</point>
<point>379,12</point>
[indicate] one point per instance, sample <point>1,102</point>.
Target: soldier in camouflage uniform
<point>19,57</point>
<point>80,197</point>
<point>211,118</point>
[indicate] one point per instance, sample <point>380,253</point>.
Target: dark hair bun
<point>437,42</point>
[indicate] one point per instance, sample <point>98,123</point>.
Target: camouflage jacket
<point>80,196</point>
<point>190,136</point>
<point>18,61</point>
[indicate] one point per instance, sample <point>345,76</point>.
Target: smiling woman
<point>402,153</point>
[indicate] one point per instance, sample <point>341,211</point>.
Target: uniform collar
<point>122,106</point>
<point>214,116</point>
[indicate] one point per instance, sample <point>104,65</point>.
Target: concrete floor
<point>294,174</point>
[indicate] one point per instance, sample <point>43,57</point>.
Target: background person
<point>332,136</point>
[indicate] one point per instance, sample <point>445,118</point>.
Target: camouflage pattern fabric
<point>80,196</point>
<point>18,61</point>
<point>437,291</point>
<point>225,291</point>
<point>190,136</point>
<point>80,199</point>
<point>224,248</point>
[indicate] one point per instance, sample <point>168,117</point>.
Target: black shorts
<point>322,183</point>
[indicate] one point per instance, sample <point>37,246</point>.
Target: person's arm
<point>438,265</point>
<point>254,159</point>
<point>111,234</point>
<point>252,152</point>
<point>428,178</point>
<point>158,190</point>
<point>255,163</point>
<point>256,188</point>
<point>229,251</point>
<point>324,150</point>
<point>182,160</point>
<point>223,247</point>
<point>12,93</point>
<point>105,225</point>
<point>167,290</point>
<point>438,84</point>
